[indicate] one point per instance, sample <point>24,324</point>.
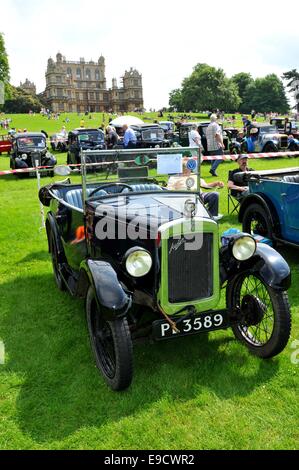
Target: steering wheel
<point>105,186</point>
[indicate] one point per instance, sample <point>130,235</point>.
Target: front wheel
<point>111,345</point>
<point>56,262</point>
<point>264,319</point>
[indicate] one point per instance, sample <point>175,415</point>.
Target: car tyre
<point>256,221</point>
<point>56,262</point>
<point>269,148</point>
<point>264,326</point>
<point>111,344</point>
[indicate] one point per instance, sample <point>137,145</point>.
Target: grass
<point>204,392</point>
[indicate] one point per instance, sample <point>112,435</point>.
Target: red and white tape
<point>204,158</point>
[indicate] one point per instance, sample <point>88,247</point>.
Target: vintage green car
<point>148,263</point>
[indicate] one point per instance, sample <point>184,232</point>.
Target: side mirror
<point>62,170</point>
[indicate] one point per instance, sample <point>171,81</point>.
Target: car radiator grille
<point>190,273</point>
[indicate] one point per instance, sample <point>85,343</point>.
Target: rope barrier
<point>204,158</point>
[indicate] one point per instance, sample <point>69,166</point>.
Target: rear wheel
<point>256,221</point>
<point>111,345</point>
<point>264,315</point>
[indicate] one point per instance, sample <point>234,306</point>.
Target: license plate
<point>191,326</point>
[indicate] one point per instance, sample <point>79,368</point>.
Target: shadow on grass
<point>61,390</point>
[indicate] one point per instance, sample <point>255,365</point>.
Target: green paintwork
<point>167,231</point>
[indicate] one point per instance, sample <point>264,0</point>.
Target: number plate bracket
<point>192,325</point>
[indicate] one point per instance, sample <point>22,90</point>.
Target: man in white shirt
<point>214,143</point>
<point>194,137</point>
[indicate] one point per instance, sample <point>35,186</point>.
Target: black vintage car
<point>29,149</point>
<point>150,136</point>
<point>84,139</point>
<point>148,263</point>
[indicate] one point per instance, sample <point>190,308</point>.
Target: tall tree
<point>265,95</point>
<point>4,67</point>
<point>293,84</point>
<point>175,100</point>
<point>242,80</point>
<point>208,88</point>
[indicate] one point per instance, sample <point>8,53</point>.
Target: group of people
<point>112,138</point>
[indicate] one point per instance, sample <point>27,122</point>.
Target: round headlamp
<point>24,156</point>
<point>244,247</point>
<point>138,262</point>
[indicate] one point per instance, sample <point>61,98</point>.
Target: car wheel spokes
<point>103,343</point>
<point>260,333</point>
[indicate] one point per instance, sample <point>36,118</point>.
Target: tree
<point>265,95</point>
<point>4,66</point>
<point>21,102</point>
<point>293,84</point>
<point>242,80</point>
<point>175,99</point>
<point>207,88</point>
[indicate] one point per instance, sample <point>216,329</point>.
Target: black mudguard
<point>113,301</point>
<point>267,263</point>
<point>51,226</point>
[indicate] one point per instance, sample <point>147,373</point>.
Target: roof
<point>81,129</point>
<point>29,134</point>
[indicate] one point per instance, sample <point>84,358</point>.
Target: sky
<point>162,40</point>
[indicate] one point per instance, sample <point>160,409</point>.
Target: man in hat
<point>239,189</point>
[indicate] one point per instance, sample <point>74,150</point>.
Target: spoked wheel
<point>264,313</point>
<point>56,263</point>
<point>256,221</point>
<point>111,344</point>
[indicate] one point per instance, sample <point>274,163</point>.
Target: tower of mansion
<point>81,86</point>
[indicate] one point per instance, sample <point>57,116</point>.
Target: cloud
<point>163,40</point>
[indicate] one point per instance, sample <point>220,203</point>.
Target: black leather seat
<point>291,179</point>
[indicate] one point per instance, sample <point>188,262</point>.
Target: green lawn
<point>204,392</point>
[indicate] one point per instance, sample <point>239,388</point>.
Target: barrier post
<point>40,204</point>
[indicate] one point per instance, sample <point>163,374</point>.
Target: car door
<point>290,203</point>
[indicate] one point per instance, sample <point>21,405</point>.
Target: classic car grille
<point>190,273</point>
<point>284,142</point>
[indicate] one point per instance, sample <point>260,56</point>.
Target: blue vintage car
<point>262,137</point>
<point>271,208</point>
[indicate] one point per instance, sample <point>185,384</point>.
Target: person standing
<point>130,139</point>
<point>215,144</point>
<point>111,137</point>
<point>194,137</point>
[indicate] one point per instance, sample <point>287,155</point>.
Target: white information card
<point>170,164</point>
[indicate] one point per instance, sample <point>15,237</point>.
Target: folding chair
<point>232,203</point>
